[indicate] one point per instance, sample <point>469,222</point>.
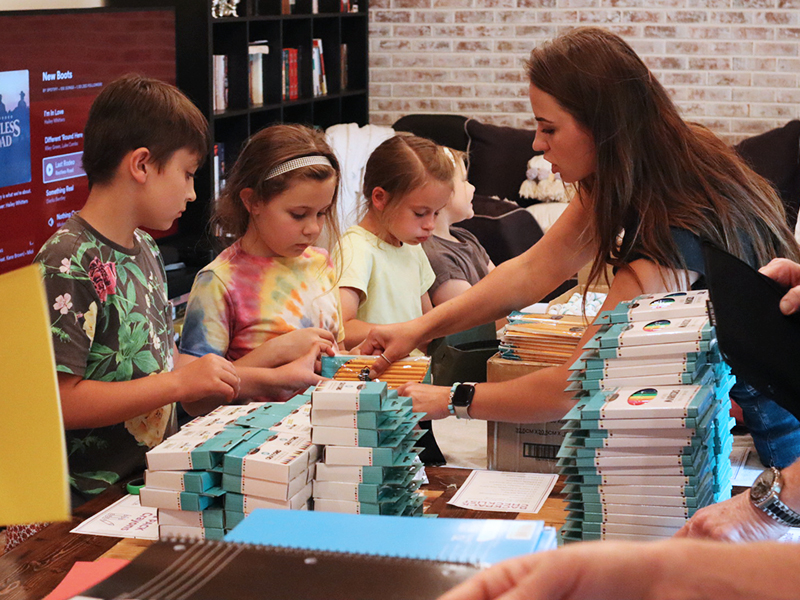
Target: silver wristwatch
<point>765,495</point>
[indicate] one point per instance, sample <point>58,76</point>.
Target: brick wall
<point>733,65</point>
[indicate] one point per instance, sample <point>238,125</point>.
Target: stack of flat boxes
<point>220,467</point>
<point>274,469</point>
<point>649,439</point>
<point>368,433</point>
<point>184,476</point>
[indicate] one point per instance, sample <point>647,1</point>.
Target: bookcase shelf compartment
<point>199,37</point>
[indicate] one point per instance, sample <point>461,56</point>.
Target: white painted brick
<point>733,65</point>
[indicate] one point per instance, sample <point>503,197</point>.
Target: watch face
<point>763,485</point>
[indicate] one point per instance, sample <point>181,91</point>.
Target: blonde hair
<point>263,152</point>
<point>402,164</point>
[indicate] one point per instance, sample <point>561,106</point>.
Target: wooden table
<point>35,567</point>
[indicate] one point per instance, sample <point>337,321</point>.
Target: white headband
<point>296,163</point>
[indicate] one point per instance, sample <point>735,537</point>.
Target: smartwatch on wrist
<point>461,398</point>
<point>765,496</point>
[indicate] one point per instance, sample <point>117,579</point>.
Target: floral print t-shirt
<point>111,321</point>
<point>240,301</point>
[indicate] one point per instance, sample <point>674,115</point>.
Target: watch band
<point>770,503</point>
<point>462,399</point>
<point>781,513</point>
<point>450,408</point>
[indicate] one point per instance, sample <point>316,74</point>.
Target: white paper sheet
<point>501,491</point>
<point>746,466</point>
<point>126,518</point>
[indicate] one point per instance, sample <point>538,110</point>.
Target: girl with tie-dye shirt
<point>270,301</point>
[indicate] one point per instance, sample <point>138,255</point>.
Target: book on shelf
<point>219,168</point>
<point>257,52</point>
<point>343,66</point>
<point>289,74</point>
<point>318,79</point>
<point>220,79</point>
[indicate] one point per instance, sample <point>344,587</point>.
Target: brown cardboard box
<point>529,447</point>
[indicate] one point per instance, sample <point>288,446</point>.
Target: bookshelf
<point>279,24</point>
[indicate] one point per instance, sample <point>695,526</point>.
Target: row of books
<point>648,441</point>
<point>291,76</point>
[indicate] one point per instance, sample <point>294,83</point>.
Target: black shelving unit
<point>199,36</point>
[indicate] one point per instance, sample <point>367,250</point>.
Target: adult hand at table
<point>787,273</point>
<point>610,570</point>
<point>735,520</point>
<point>391,343</point>
<point>429,399</point>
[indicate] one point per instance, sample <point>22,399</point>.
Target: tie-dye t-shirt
<point>240,301</point>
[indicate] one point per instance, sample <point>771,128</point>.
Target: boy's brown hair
<point>138,112</point>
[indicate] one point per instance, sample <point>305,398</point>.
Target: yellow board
<point>33,469</point>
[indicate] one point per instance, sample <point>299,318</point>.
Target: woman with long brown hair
<point>650,188</point>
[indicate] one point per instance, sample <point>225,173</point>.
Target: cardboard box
<point>527,447</point>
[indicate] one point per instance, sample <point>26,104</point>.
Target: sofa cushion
<point>499,159</point>
<point>446,130</point>
<point>775,155</point>
<point>504,235</point>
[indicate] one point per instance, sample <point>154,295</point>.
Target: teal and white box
<point>212,517</point>
<point>349,395</point>
<point>651,307</point>
<point>247,503</point>
<point>650,402</point>
<point>172,500</point>
<point>184,452</point>
<point>190,533</point>
<point>182,481</point>
<point>265,489</point>
<point>281,458</point>
<point>662,331</point>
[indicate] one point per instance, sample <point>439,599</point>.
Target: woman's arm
<point>513,284</point>
<point>540,396</point>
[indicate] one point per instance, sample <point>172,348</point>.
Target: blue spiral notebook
<point>479,542</point>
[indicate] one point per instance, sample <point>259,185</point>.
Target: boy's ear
<point>246,196</point>
<point>380,198</point>
<point>138,163</point>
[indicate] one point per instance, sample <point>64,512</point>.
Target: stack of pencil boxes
<point>220,467</point>
<point>648,441</point>
<point>368,434</point>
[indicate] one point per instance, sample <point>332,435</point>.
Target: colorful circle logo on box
<point>642,396</point>
<point>675,294</point>
<point>656,325</point>
<point>662,302</point>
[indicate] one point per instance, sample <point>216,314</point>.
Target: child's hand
<point>289,347</point>
<point>210,378</point>
<point>300,373</point>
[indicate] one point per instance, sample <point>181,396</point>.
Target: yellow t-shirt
<point>391,279</point>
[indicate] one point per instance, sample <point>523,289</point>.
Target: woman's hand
<point>391,342</point>
<point>429,399</point>
<point>289,347</point>
<point>734,520</point>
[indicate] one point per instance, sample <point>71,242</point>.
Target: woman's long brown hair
<point>654,171</point>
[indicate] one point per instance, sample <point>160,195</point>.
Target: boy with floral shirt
<point>106,285</point>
